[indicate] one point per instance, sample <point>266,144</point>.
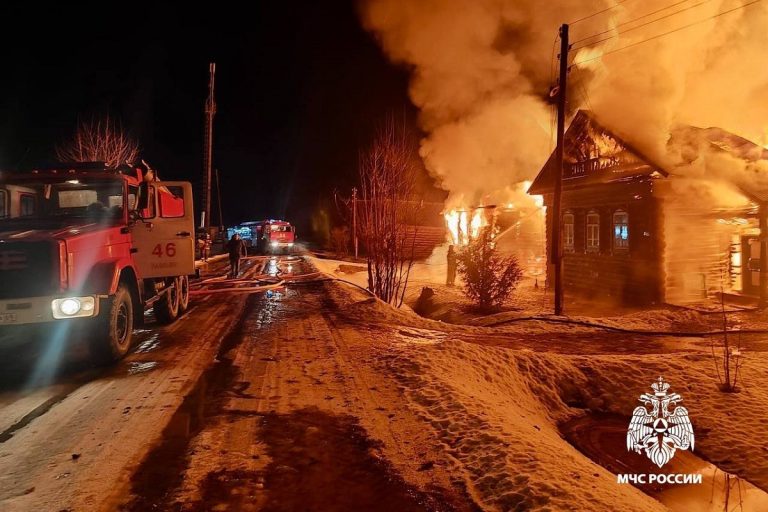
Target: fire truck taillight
<point>63,266</point>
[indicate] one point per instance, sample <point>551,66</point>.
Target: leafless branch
<point>385,210</point>
<point>99,140</point>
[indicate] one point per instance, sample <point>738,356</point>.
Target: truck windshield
<point>91,199</point>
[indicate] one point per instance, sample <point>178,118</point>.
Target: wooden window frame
<point>569,232</point>
<point>592,243</point>
<point>619,243</point>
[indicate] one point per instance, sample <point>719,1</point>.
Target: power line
<point>667,33</point>
<point>639,26</point>
<point>619,2</point>
<point>631,21</point>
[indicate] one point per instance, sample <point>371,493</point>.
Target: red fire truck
<point>265,236</point>
<point>274,236</point>
<point>87,249</point>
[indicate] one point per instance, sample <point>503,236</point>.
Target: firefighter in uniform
<point>237,250</point>
<point>451,257</point>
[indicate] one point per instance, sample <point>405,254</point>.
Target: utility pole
<point>556,250</point>
<point>763,213</point>
<point>218,202</point>
<point>354,218</point>
<point>210,111</point>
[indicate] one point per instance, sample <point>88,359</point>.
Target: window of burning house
<point>620,230</point>
<point>568,232</point>
<point>593,232</point>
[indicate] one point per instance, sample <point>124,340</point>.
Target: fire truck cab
<point>86,249</point>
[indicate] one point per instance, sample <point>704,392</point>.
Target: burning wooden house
<point>519,231</point>
<point>643,233</point>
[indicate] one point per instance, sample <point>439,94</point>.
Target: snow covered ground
<point>493,397</point>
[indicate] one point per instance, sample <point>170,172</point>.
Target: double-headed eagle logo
<point>659,432</point>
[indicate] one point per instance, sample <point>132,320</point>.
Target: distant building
<point>642,234</point>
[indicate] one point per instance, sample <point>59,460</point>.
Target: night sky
<point>300,89</point>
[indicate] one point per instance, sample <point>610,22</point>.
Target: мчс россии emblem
<point>660,432</point>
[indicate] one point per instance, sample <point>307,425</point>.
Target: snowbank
<point>494,397</point>
<point>496,411</point>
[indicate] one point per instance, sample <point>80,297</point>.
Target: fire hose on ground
<point>584,323</point>
<point>272,282</point>
<point>274,285</point>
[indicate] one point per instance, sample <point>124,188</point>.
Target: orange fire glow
<point>462,228</point>
<point>465,223</point>
<point>456,220</point>
<point>538,200</point>
<point>478,222</point>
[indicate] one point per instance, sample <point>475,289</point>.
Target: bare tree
<point>385,210</point>
<point>99,140</point>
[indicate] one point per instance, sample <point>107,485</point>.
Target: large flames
<point>480,71</point>
<point>464,224</point>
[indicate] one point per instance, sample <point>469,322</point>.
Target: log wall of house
<point>633,276</point>
<point>695,247</point>
<point>424,227</point>
<point>422,240</point>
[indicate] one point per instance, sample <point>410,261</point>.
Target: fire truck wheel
<point>167,307</point>
<point>112,338</point>
<point>183,284</point>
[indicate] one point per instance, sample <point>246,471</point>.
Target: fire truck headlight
<point>69,306</point>
<point>73,307</point>
<point>274,244</point>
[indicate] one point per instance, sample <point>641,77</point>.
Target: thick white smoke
<point>481,71</point>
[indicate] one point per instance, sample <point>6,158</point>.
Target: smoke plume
<point>482,70</point>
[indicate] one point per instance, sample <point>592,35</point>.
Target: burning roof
<point>595,154</point>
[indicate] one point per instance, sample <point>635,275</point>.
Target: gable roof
<point>593,154</point>
<point>722,140</point>
<point>752,183</point>
<point>618,161</point>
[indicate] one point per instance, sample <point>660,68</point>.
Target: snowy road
<point>283,391</point>
<point>197,416</point>
<point>70,439</point>
<point>292,418</point>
